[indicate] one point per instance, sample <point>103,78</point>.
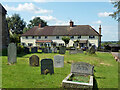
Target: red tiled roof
<point>84,30</point>
<point>43,41</point>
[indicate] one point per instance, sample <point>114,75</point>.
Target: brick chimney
<point>39,26</point>
<point>100,36</point>
<point>100,30</point>
<point>71,23</point>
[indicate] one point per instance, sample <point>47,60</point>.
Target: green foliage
<point>66,39</point>
<point>16,24</point>
<point>118,42</point>
<point>116,14</point>
<point>20,48</point>
<point>25,29</point>
<point>36,21</point>
<point>14,38</point>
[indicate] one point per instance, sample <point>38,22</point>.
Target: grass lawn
<point>22,75</point>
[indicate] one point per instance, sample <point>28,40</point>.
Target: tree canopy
<point>16,24</point>
<point>36,21</point>
<point>66,39</point>
<point>116,14</point>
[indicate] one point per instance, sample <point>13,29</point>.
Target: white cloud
<point>53,20</point>
<point>28,7</point>
<point>104,14</point>
<point>39,0</point>
<point>97,22</point>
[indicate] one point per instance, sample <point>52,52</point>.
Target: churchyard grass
<point>22,75</point>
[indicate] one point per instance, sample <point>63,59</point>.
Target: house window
<point>57,37</point>
<point>32,37</point>
<point>39,37</point>
<point>79,37</point>
<point>91,37</point>
<point>90,44</point>
<point>30,44</point>
<point>72,37</point>
<point>26,37</point>
<point>46,37</point>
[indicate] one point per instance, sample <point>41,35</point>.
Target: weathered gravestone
<point>50,50</point>
<point>34,49</point>
<point>26,50</point>
<point>62,50</point>
<point>34,60</point>
<point>81,76</point>
<point>46,50</point>
<point>92,49</point>
<point>47,66</point>
<point>55,50</point>
<point>79,51</point>
<point>73,52</point>
<point>58,61</point>
<point>12,53</point>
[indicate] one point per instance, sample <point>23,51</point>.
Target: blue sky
<point>60,13</point>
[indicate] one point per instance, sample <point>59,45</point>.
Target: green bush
<point>20,48</point>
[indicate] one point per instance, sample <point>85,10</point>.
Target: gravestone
<point>26,50</point>
<point>34,60</point>
<point>79,51</point>
<point>12,53</point>
<point>47,66</point>
<point>55,50</point>
<point>46,50</point>
<point>92,49</point>
<point>34,49</point>
<point>82,68</point>
<point>50,50</point>
<point>73,52</point>
<point>62,50</point>
<point>58,61</point>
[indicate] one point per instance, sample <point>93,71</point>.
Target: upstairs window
<point>46,37</point>
<point>72,37</point>
<point>32,37</point>
<point>91,37</point>
<point>57,37</point>
<point>79,37</point>
<point>26,37</point>
<point>39,37</point>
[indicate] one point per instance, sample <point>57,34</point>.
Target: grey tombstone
<point>55,50</point>
<point>73,52</point>
<point>12,53</point>
<point>92,49</point>
<point>34,60</point>
<point>47,66</point>
<point>50,50</point>
<point>58,61</point>
<point>62,50</point>
<point>34,49</point>
<point>82,68</point>
<point>26,50</point>
<point>79,51</point>
<point>46,50</point>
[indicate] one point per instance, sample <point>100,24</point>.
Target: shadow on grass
<point>95,86</point>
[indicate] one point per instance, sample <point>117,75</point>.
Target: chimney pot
<point>100,30</point>
<point>39,25</point>
<point>71,23</point>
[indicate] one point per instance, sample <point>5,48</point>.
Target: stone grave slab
<point>12,52</point>
<point>34,60</point>
<point>73,52</point>
<point>81,76</point>
<point>58,61</point>
<point>34,49</point>
<point>47,66</point>
<point>79,51</point>
<point>62,50</point>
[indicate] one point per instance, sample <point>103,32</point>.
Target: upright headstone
<point>62,50</point>
<point>12,53</point>
<point>26,49</point>
<point>55,50</point>
<point>34,49</point>
<point>73,52</point>
<point>34,60</point>
<point>47,66</point>
<point>58,61</point>
<point>79,51</point>
<point>82,68</point>
<point>92,49</point>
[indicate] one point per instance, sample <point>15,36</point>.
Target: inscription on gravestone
<point>12,53</point>
<point>34,60</point>
<point>58,61</point>
<point>82,68</point>
<point>47,66</point>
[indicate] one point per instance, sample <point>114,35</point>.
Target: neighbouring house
<point>85,34</point>
<point>4,33</point>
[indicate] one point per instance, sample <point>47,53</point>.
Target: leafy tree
<point>66,39</point>
<point>116,14</point>
<point>25,29</point>
<point>16,24</point>
<point>36,21</point>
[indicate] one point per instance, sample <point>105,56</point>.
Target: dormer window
<point>91,37</point>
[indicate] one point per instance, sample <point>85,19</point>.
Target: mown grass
<point>22,75</point>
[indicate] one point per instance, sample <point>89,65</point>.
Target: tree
<point>36,21</point>
<point>16,24</point>
<point>66,39</point>
<point>116,14</point>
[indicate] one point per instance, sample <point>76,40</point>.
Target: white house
<point>37,36</point>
